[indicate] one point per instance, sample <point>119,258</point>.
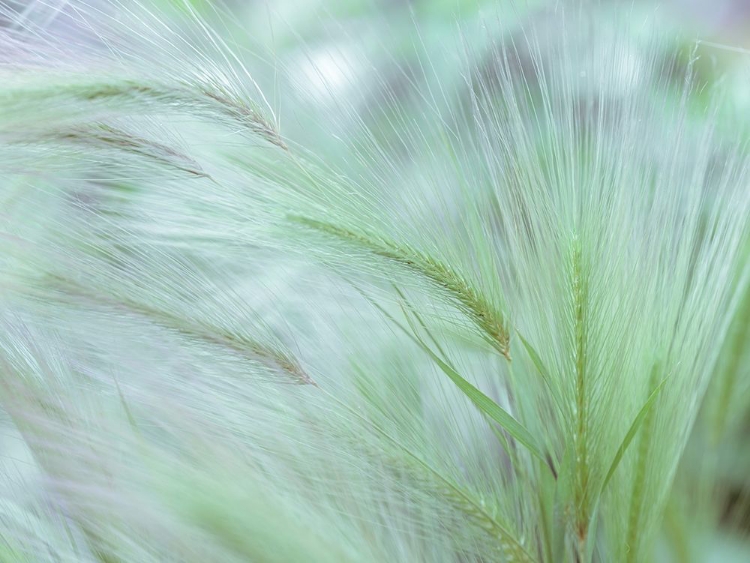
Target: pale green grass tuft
<point>469,299</point>
<point>246,315</point>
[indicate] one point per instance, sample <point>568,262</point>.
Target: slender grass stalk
<point>147,95</point>
<point>640,479</point>
<point>581,434</point>
<point>470,300</point>
<point>272,358</point>
<point>457,496</point>
<point>111,137</point>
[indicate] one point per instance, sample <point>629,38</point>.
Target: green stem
<point>639,480</point>
<point>580,298</point>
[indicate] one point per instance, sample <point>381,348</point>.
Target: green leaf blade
<point>489,407</point>
<point>632,431</point>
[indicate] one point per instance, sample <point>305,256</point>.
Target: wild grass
<point>488,310</point>
<point>474,304</point>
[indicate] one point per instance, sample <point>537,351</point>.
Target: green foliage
<point>483,307</point>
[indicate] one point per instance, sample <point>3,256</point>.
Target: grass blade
<point>637,421</point>
<point>486,405</point>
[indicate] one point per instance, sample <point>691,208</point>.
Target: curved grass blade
<point>637,421</point>
<point>486,406</point>
<point>543,371</point>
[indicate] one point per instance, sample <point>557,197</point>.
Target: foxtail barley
<point>481,305</point>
